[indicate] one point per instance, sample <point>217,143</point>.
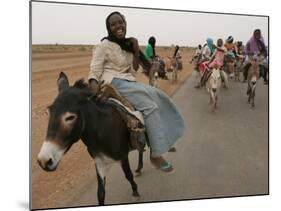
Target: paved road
<point>221,154</point>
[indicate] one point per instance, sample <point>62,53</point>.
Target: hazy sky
<point>85,24</point>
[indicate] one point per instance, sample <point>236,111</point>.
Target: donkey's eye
<point>70,118</point>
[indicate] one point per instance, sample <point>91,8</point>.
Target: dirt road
<point>76,170</point>
<point>222,154</point>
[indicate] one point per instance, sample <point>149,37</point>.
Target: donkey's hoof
<point>138,173</point>
<point>136,194</point>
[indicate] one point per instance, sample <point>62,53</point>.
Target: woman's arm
<point>97,63</point>
<point>136,63</point>
<point>135,44</point>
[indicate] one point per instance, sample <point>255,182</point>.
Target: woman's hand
<point>98,91</point>
<point>94,86</point>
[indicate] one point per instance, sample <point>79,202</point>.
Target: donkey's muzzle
<point>47,166</point>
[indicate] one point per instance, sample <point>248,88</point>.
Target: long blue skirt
<point>164,124</point>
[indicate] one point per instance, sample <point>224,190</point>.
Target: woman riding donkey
<point>150,55</point>
<point>218,55</point>
<point>177,56</point>
<point>113,62</point>
<point>196,56</point>
<point>231,49</point>
<point>256,47</point>
<point>215,61</point>
<point>206,53</point>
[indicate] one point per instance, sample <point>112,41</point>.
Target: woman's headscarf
<point>210,44</point>
<point>256,46</point>
<point>124,43</point>
<point>229,39</point>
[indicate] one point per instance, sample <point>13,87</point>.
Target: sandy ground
<point>59,188</point>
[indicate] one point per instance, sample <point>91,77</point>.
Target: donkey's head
<point>253,73</point>
<point>65,122</point>
<point>252,81</point>
<point>231,69</point>
<point>215,80</point>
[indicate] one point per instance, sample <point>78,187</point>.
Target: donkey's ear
<point>62,82</point>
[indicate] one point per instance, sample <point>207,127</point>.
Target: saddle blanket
<point>124,108</point>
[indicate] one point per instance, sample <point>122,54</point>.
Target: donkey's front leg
<point>101,186</point>
<point>129,176</point>
<point>216,102</point>
<point>140,164</point>
<point>253,99</point>
<point>213,101</point>
<point>210,101</point>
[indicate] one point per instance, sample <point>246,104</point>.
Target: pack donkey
<point>213,85</point>
<point>172,65</point>
<point>75,115</point>
<point>253,76</point>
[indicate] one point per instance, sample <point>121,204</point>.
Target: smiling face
<point>117,26</point>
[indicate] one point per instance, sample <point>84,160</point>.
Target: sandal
<point>162,164</point>
<point>166,167</point>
